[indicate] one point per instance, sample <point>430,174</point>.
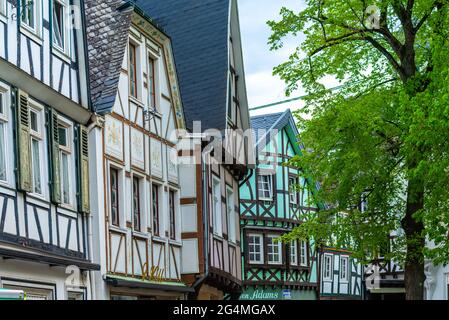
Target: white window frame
<point>232,236</point>
<point>271,244</point>
<point>344,269</point>
<point>40,137</point>
<point>65,27</point>
<point>327,267</point>
<point>303,254</point>
<point>139,77</point>
<point>151,55</point>
<point>4,93</point>
<point>68,150</point>
<point>269,184</point>
<point>293,194</point>
<point>216,204</point>
<point>261,248</point>
<point>294,253</point>
<point>37,9</point>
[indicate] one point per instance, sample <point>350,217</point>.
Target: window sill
<point>117,229</point>
<point>3,18</point>
<point>275,263</point>
<point>266,199</point>
<point>61,54</point>
<point>33,35</point>
<point>136,101</point>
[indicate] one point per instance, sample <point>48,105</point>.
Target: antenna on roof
<point>288,100</point>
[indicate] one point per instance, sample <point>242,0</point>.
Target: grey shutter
<point>84,169</point>
<point>55,160</point>
<point>23,142</point>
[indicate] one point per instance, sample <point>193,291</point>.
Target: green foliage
<point>386,127</point>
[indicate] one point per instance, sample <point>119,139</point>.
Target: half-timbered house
<point>45,248</point>
<point>208,54</point>
<point>274,199</point>
<point>134,86</point>
<point>341,275</point>
<point>384,277</point>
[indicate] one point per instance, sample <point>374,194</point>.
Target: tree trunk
<point>413,228</point>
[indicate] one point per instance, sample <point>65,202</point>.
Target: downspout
<point>205,223</point>
<point>90,239</point>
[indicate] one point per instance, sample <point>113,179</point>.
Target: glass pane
<point>2,152</point>
<point>1,103</point>
<point>63,136</point>
<point>33,121</point>
<point>65,178</point>
<point>58,24</point>
<point>37,188</point>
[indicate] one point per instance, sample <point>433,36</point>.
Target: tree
<point>381,138</point>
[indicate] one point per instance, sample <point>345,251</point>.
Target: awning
<point>124,282</point>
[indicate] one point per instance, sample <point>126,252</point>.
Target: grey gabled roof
<point>199,30</point>
<point>107,26</point>
<point>263,125</point>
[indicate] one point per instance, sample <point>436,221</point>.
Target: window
<point>172,215</point>
<point>132,70</point>
<point>274,250</point>
<point>447,287</point>
<point>136,203</point>
<point>72,295</point>
<point>65,154</point>
<point>231,215</point>
<point>293,184</point>
<point>114,184</point>
<point>3,135</point>
<point>155,194</point>
<point>303,254</point>
<point>216,201</point>
<point>29,14</point>
<point>344,266</point>
<point>152,82</point>
<point>3,7</point>
<point>294,253</point>
<point>255,248</point>
<point>265,187</point>
<point>59,24</point>
<point>36,147</point>
<point>327,267</point>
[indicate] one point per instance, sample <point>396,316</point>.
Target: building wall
<point>143,150</point>
<point>275,216</point>
<point>335,282</point>
<point>44,97</point>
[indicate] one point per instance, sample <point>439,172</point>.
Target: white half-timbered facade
<point>341,275</point>
<point>208,54</point>
<point>44,153</point>
<point>139,207</point>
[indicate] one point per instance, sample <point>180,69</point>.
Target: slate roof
<point>107,26</point>
<point>199,32</point>
<point>274,121</point>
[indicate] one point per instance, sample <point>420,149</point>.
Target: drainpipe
<point>205,223</point>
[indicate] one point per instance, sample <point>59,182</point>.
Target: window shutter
<point>55,160</point>
<point>84,169</point>
<point>23,142</point>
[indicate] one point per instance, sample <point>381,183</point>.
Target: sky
<point>262,87</point>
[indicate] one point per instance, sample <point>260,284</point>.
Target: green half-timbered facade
<point>271,205</point>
